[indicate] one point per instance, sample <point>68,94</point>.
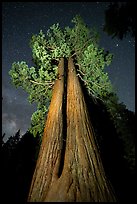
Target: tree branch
<point>39,83</point>
<point>79,50</point>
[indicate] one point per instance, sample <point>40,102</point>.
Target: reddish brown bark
<point>69,170</point>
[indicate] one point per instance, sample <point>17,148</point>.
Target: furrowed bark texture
<point>69,166</point>
<point>46,171</point>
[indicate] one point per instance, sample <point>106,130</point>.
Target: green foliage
<point>47,49</point>
<point>92,63</point>
<point>38,120</point>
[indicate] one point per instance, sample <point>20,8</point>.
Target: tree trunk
<point>69,167</point>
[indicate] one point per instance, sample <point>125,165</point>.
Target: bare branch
<point>79,50</point>
<point>39,83</point>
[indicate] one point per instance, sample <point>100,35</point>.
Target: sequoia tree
<point>69,166</point>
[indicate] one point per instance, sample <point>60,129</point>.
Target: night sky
<point>22,19</point>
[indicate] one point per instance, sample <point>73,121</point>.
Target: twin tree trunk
<point>69,167</point>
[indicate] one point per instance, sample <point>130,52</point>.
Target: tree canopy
<point>80,42</point>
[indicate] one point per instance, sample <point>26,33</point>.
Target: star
<point>117,45</point>
<point>10,101</point>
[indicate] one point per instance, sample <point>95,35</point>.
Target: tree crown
<point>47,49</point>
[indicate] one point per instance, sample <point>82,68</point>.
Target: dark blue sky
<point>21,19</point>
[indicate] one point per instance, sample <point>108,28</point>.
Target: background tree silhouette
<point>19,156</point>
<point>120,19</point>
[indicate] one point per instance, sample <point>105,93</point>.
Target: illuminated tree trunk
<point>69,167</point>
